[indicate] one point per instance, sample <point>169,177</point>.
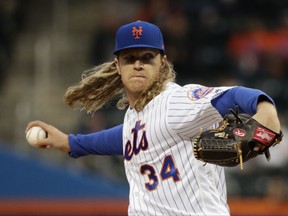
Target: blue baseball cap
<point>139,34</point>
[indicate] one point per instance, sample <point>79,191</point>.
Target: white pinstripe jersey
<point>163,175</point>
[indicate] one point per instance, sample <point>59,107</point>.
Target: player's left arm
<point>267,115</point>
<point>246,98</point>
<point>251,101</point>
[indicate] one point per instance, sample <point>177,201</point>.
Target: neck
<point>132,99</point>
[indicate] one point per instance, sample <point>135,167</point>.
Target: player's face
<point>138,69</point>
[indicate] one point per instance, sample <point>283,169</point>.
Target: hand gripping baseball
<point>235,141</point>
<point>54,137</point>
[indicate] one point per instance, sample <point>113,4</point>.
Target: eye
<point>147,57</point>
<point>129,59</point>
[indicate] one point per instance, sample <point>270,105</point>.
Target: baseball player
<point>162,118</point>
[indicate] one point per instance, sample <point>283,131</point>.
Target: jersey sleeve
<point>105,142</point>
<point>246,98</point>
<point>189,108</point>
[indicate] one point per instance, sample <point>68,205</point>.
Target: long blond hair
<point>102,85</point>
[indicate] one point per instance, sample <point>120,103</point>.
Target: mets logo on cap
<point>136,32</point>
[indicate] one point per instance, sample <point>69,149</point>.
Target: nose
<point>138,65</point>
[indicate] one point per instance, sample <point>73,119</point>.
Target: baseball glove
<point>233,142</point>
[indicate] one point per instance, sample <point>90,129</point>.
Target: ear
<point>163,61</point>
<point>116,62</point>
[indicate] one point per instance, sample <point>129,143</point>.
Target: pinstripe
<point>197,201</point>
<point>169,123</point>
<point>158,191</point>
<point>162,150</point>
<point>168,132</point>
<point>167,143</point>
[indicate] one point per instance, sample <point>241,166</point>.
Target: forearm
<point>106,142</point>
<point>65,147</point>
<point>251,101</point>
<point>267,115</point>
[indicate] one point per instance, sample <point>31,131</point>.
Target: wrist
<point>65,147</point>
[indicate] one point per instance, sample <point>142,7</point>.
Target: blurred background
<point>45,45</point>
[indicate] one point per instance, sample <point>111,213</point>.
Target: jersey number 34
<point>168,170</point>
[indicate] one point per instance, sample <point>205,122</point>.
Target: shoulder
<point>195,91</point>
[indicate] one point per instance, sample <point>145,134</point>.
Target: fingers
<point>256,148</point>
<point>37,123</point>
<point>259,148</point>
<point>42,143</point>
<point>55,138</point>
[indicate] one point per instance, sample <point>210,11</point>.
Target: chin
<point>137,88</point>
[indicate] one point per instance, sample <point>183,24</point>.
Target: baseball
<point>34,134</point>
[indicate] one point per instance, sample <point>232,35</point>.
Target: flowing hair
<point>102,85</point>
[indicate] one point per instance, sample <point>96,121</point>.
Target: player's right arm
<point>105,142</point>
